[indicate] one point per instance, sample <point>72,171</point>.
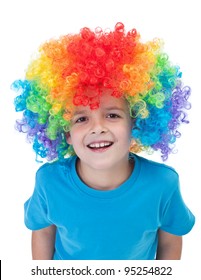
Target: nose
<point>98,126</point>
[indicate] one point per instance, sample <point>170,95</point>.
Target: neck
<point>105,179</point>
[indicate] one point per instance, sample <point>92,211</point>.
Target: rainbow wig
<point>58,77</point>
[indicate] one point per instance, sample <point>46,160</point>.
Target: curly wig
<point>63,69</point>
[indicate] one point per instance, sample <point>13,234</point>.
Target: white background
<point>24,25</point>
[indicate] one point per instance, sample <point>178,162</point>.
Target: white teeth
<point>100,145</point>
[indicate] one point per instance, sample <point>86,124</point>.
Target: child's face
<point>101,138</point>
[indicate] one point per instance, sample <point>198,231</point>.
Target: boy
<point>106,95</point>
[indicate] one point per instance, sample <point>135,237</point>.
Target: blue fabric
<point>118,224</point>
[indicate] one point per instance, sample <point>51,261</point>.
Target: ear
<point>133,121</point>
<point>68,138</point>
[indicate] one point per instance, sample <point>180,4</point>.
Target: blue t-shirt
<point>119,224</point>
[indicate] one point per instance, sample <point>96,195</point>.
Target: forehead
<point>108,99</point>
<point>107,102</point>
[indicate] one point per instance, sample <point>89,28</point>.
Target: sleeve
<point>177,218</point>
<point>36,209</point>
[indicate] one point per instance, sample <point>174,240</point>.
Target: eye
<point>113,116</point>
<point>81,119</point>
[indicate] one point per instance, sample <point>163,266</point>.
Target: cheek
<point>124,134</point>
<point>74,137</point>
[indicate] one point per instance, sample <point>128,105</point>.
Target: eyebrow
<point>83,112</point>
<point>114,108</point>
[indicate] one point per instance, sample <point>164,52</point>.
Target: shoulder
<point>155,166</point>
<point>50,169</point>
<point>160,174</point>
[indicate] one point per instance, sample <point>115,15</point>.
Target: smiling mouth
<point>100,145</point>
